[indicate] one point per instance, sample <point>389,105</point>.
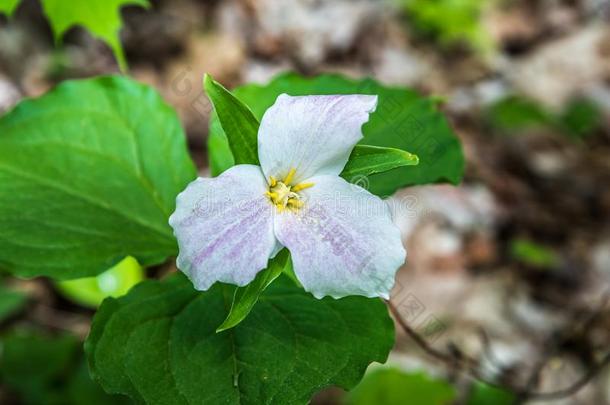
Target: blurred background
<point>509,271</point>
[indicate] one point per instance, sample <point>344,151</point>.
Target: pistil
<point>283,195</point>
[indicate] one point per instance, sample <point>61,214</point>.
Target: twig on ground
<point>457,360</point>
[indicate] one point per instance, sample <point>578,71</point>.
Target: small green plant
<point>514,114</point>
<point>90,173</point>
<point>533,254</point>
<point>451,22</point>
<point>101,18</point>
<point>580,118</point>
<point>393,386</point>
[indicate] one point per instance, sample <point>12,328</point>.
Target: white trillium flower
<point>341,237</point>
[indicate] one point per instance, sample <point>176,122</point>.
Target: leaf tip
<point>414,159</point>
<point>207,80</point>
<point>223,327</point>
<point>411,158</point>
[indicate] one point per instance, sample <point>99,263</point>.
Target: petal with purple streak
<point>312,134</point>
<point>342,241</point>
<point>224,227</point>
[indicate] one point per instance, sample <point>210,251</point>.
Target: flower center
<point>282,194</point>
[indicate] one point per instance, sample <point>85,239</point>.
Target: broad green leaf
<point>403,120</point>
<point>8,7</point>
<point>246,297</point>
<point>483,394</point>
<point>91,291</point>
<point>158,344</point>
<point>100,17</point>
<point>11,302</point>
<point>240,126</point>
<point>41,369</point>
<point>89,174</point>
<point>80,389</point>
<point>391,386</point>
<point>368,160</point>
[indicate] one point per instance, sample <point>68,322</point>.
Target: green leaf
<point>367,160</point>
<point>80,389</point>
<point>8,7</point>
<point>391,386</point>
<point>158,344</point>
<point>239,124</point>
<point>89,174</point>
<point>452,22</point>
<point>515,113</point>
<point>246,297</point>
<point>11,302</point>
<point>100,17</point>
<point>31,364</point>
<point>533,254</point>
<point>580,118</point>
<point>91,291</point>
<point>49,370</point>
<point>484,394</point>
<point>403,120</point>
<point>512,114</point>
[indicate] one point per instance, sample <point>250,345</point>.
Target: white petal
<point>224,227</point>
<point>342,241</point>
<point>312,134</point>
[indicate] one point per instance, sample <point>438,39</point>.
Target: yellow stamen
<point>301,186</point>
<point>284,196</point>
<point>289,176</point>
<point>294,202</point>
